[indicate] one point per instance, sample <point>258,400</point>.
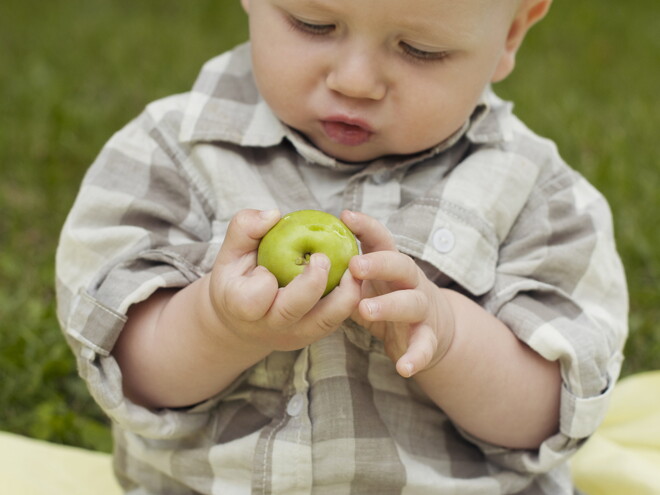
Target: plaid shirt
<point>493,212</point>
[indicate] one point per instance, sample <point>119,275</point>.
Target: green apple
<point>287,247</point>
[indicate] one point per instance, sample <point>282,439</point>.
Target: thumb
<point>244,233</point>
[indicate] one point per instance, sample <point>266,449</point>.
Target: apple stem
<point>304,260</point>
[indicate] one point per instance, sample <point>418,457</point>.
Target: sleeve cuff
<point>580,417</point>
<point>94,325</point>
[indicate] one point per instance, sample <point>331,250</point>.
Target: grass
<point>74,71</point>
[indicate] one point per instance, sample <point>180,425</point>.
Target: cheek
<point>271,81</point>
<point>441,108</point>
<point>280,82</point>
<point>430,119</point>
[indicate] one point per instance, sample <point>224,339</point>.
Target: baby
<point>470,348</point>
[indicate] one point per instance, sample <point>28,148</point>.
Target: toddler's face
<point>363,79</point>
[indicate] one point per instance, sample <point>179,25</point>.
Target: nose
<point>357,73</point>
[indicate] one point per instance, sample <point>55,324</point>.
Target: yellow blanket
<point>33,467</point>
<point>622,458</point>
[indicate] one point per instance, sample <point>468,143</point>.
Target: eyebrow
<point>326,5</point>
<point>320,3</point>
<point>438,30</point>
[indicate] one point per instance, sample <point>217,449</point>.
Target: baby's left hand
<point>399,305</point>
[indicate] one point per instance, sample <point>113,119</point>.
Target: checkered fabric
<point>493,212</point>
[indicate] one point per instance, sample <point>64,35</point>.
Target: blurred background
<point>72,72</point>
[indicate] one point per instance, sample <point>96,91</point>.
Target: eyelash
<point>311,29</point>
<point>418,55</point>
<point>412,53</point>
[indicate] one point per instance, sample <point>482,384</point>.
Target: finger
<point>250,297</point>
<point>400,306</point>
<point>336,307</point>
<point>386,266</point>
<point>244,233</point>
<point>373,235</point>
<point>296,299</point>
<point>347,292</point>
<point>422,347</point>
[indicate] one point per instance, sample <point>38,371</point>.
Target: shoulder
<point>501,133</point>
<point>224,85</point>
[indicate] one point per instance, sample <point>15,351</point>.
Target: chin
<point>351,154</point>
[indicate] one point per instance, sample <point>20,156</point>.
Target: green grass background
<point>73,71</point>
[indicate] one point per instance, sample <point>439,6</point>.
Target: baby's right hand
<point>249,305</point>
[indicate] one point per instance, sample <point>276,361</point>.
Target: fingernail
<point>350,214</point>
<point>320,261</point>
<point>363,265</point>
<point>409,369</point>
<point>268,214</point>
<point>372,308</point>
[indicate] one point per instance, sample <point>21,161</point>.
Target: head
<point>363,79</point>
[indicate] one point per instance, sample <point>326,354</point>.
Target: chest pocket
<point>458,226</point>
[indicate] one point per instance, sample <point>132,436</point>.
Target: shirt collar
<point>225,105</point>
<point>491,121</point>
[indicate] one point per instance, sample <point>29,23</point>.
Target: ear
<point>529,13</point>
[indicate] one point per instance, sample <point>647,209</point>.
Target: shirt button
<point>381,177</point>
<point>295,405</point>
<point>443,240</point>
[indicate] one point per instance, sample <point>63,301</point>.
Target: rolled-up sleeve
<point>560,287</point>
<point>137,225</point>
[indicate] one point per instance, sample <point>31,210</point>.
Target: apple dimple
<point>304,259</point>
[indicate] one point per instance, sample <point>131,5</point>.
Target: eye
<point>419,55</point>
<point>311,28</point>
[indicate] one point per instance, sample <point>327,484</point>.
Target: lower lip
<point>346,134</point>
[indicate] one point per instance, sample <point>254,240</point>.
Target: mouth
<point>347,131</point>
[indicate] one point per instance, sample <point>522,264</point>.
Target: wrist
<point>446,322</point>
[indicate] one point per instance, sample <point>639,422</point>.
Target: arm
<point>170,357</point>
<point>181,347</point>
<point>491,383</point>
<point>468,362</point>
